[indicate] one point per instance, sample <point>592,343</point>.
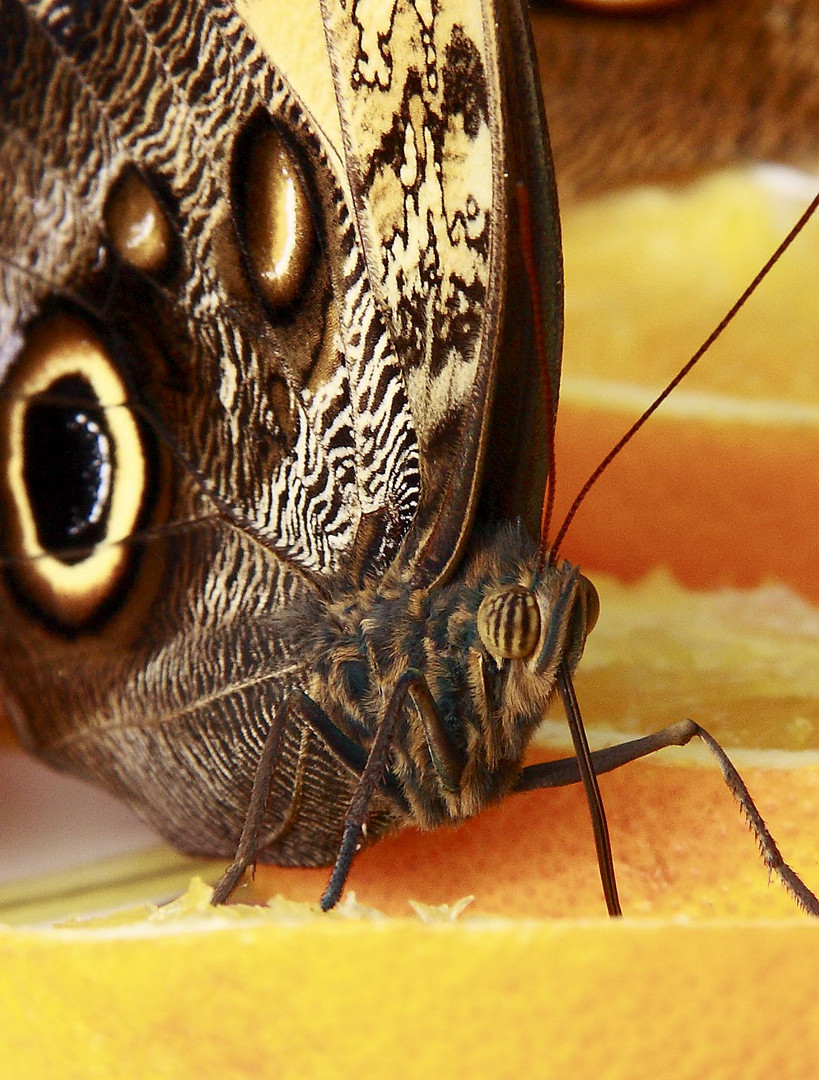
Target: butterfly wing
<point>282,372</point>
<point>440,121</point>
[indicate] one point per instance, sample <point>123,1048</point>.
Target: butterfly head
<point>495,640</point>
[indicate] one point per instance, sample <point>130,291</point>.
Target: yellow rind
<point>267,996</point>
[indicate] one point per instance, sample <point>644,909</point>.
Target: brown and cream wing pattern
<point>283,363</point>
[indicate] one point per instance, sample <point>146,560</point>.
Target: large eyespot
<point>273,215</point>
<point>137,225</point>
<point>509,623</point>
<point>74,472</point>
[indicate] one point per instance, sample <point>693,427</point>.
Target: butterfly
<point>275,420</point>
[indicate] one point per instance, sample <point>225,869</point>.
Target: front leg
<point>443,754</point>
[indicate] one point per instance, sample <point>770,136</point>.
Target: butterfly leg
<point>566,771</point>
<point>274,835</point>
<point>372,776</point>
<point>447,758</point>
<point>246,850</point>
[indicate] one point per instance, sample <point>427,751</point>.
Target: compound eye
<point>509,623</point>
<point>73,472</point>
<point>592,602</point>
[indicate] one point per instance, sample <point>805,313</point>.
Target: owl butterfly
<point>273,425</point>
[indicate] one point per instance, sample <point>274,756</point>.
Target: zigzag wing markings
<point>342,447</point>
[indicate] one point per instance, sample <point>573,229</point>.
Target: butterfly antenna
<point>706,345</point>
<point>527,248</point>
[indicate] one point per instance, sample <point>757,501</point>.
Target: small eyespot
<point>73,472</point>
<point>509,623</point>
<point>274,218</point>
<point>137,226</point>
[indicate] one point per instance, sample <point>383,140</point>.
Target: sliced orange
<point>720,486</point>
<point>712,973</point>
